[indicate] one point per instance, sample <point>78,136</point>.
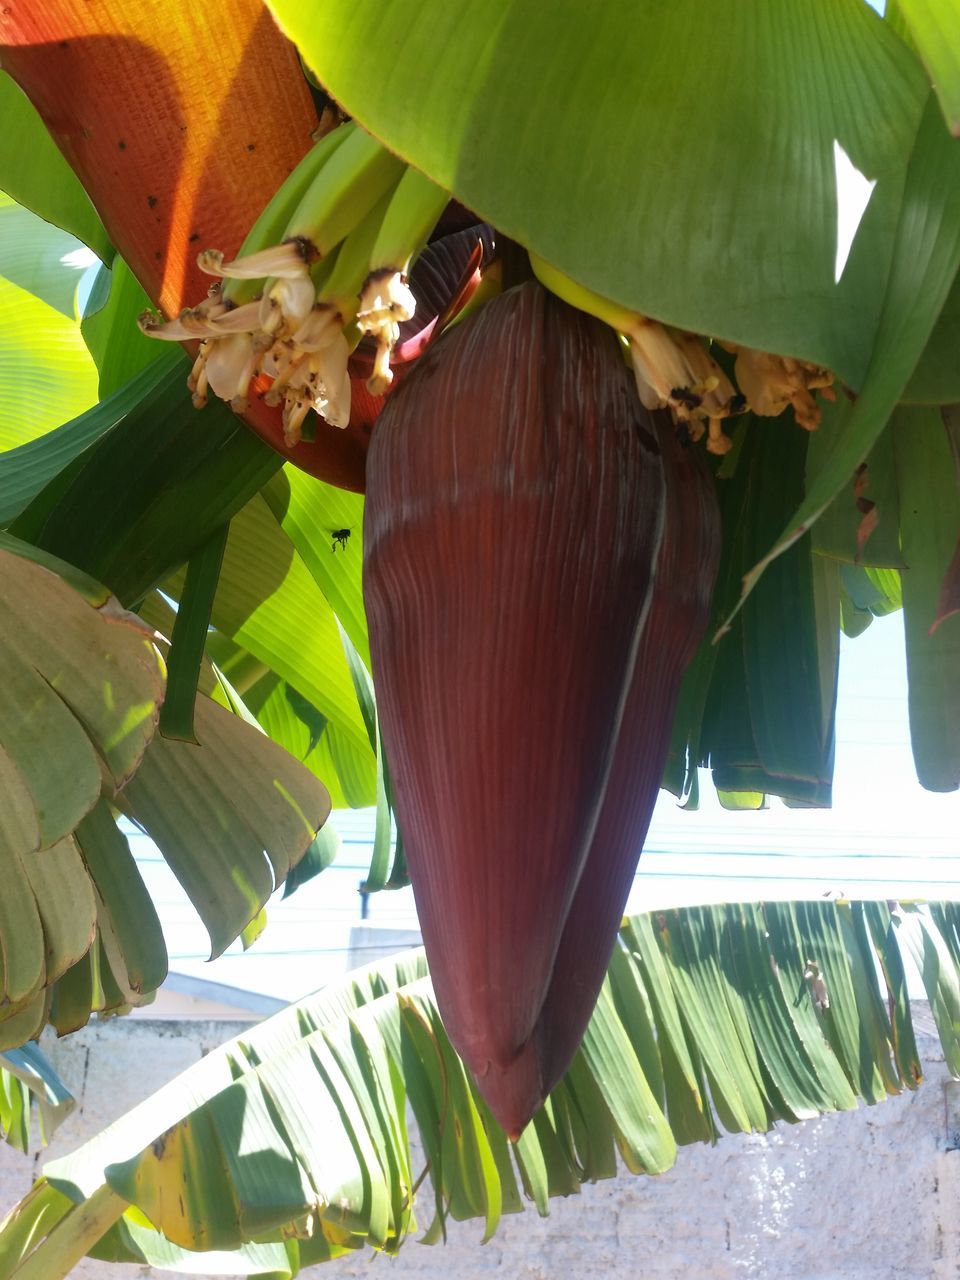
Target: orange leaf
<point>180,120</point>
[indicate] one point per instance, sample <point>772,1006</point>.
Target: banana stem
<point>36,1214</point>
<point>75,1233</point>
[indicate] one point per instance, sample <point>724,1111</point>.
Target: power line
<point>300,951</point>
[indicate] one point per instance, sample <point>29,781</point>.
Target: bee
<point>689,399</point>
<point>340,539</point>
<point>737,404</point>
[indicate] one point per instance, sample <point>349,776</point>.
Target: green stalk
<point>56,1256</point>
<point>39,1210</point>
<point>189,637</point>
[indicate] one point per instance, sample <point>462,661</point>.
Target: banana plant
<point>774,293</point>
<point>712,1020</point>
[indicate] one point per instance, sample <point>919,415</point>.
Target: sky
<point>884,837</point>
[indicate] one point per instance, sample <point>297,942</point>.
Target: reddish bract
<point>677,620</point>
<point>513,522</point>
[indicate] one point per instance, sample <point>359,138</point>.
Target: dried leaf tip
<point>771,383</point>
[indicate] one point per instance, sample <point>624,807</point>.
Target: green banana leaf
<point>135,487</point>
<point>923,266</point>
<point>231,811</point>
<point>109,328</point>
<point>930,500</point>
<point>133,507</point>
<point>933,28</point>
<point>727,217</point>
<point>723,217</point>
<point>45,368</point>
<point>82,685</point>
<point>27,1080</point>
<point>289,1145</point>
<point>29,467</point>
<point>34,172</point>
<point>270,604</point>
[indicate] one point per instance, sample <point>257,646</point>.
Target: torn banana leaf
<point>294,1135</point>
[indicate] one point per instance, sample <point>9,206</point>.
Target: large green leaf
<point>310,512</point>
<point>294,1133</point>
<point>45,369</point>
<point>135,506</point>
<point>33,171</point>
<point>721,210</point>
<point>929,525</point>
<point>29,468</point>
<point>926,255</point>
<point>934,29</point>
<point>110,330</point>
<point>231,813</point>
<point>704,1004</point>
<point>81,687</point>
<point>268,602</point>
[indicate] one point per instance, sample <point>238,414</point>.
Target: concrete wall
<point>871,1195</point>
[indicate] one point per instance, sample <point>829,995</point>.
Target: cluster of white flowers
<point>287,334</point>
